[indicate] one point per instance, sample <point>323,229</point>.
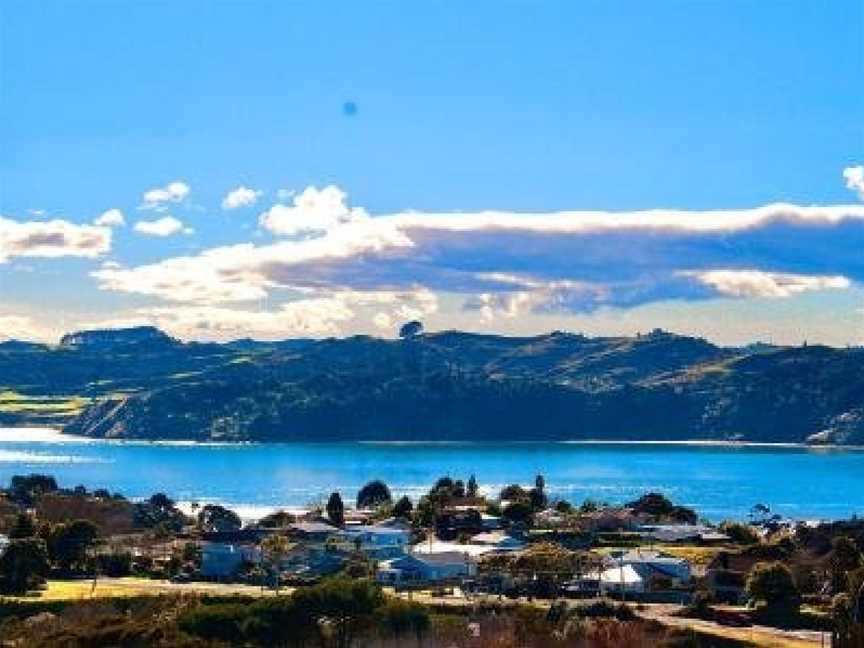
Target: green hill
<point>451,385</point>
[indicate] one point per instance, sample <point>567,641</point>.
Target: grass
<point>696,555</point>
<point>12,402</point>
<point>75,590</point>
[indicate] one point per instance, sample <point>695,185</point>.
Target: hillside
<point>451,385</point>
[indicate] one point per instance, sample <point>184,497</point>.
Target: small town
<point>458,553</point>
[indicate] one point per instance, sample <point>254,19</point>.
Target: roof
<point>437,547</point>
<point>618,575</point>
<point>496,538</point>
<point>313,527</point>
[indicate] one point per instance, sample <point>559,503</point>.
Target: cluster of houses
<point>452,553</point>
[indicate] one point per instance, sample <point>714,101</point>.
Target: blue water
<point>719,482</point>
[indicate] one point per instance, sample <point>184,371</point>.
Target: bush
<point>741,534</point>
<point>773,584</point>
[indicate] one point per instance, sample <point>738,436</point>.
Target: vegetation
<point>373,494</point>
<point>449,385</point>
<point>336,509</point>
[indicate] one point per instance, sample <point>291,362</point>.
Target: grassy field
<point>74,590</point>
<point>12,402</point>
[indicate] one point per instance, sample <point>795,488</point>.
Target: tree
<point>403,507</point>
<point>275,547</point>
<point>69,543</point>
<point>519,511</point>
<point>411,330</point>
<point>23,566</point>
<point>513,493</point>
<point>739,533</point>
<point>397,618</point>
<point>159,511</point>
<point>346,605</point>
<point>336,509</point>
<point>26,489</point>
<point>214,517</point>
<point>373,494</point>
<point>472,487</point>
<point>843,560</point>
<point>277,520</point>
<point>773,584</point>
<point>23,528</point>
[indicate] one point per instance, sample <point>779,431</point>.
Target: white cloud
<point>756,283</point>
<point>173,192</point>
<point>165,226</point>
<point>111,218</point>
<point>383,321</point>
<point>313,211</point>
<point>241,197</point>
<point>854,177</point>
<point>51,239</point>
<point>562,261</point>
<point>16,327</point>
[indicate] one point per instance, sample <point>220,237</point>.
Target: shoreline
<point>48,435</point>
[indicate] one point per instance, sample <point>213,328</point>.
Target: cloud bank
<point>506,263</point>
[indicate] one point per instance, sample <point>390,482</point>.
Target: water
<point>718,481</point>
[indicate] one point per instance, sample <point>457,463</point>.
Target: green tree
<point>26,489</point>
<point>373,494</point>
<point>23,565</point>
<point>842,561</point>
<point>214,517</point>
<point>24,527</point>
<point>346,605</point>
<point>513,493</point>
<point>398,619</point>
<point>411,330</point>
<point>403,507</point>
<point>472,489</point>
<point>336,509</point>
<point>772,583</point>
<point>69,543</point>
<point>277,520</point>
<point>275,548</point>
<point>742,534</point>
<point>519,512</point>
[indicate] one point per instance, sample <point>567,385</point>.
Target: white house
<point>380,540</point>
<point>498,541</point>
<point>622,579</point>
<point>222,560</point>
<point>651,564</point>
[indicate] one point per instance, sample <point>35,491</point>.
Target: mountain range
<point>140,383</point>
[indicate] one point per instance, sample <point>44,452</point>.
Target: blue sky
<point>518,108</point>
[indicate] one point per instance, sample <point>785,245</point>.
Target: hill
<point>453,385</point>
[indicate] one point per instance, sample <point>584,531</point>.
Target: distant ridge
<point>451,385</point>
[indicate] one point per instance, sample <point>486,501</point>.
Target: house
<point>443,547</point>
<point>377,540</point>
<point>651,565</point>
<point>223,560</point>
<point>691,533</point>
<point>491,522</point>
<point>314,532</point>
<point>622,580</point>
<point>426,568</point>
<point>497,540</point>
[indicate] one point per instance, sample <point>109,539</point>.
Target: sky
<point>271,170</point>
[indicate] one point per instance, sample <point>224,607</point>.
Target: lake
<point>719,481</point>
